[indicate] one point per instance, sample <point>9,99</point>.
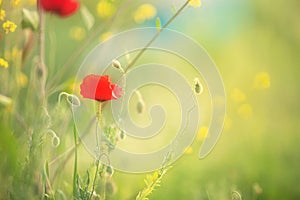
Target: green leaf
<point>173,8</point>
<point>47,169</point>
<point>4,100</point>
<point>30,19</point>
<point>87,17</point>
<point>158,24</point>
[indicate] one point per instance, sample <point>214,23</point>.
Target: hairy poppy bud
<point>198,88</point>
<point>116,64</point>
<point>109,170</point>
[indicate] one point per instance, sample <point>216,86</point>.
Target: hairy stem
<point>41,68</point>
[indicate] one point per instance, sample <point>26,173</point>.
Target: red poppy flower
<point>63,8</point>
<point>99,88</point>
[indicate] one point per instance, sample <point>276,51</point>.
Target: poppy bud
<point>140,107</point>
<point>116,64</point>
<point>122,135</point>
<point>109,170</point>
<point>198,88</point>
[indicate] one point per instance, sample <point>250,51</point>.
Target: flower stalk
<point>41,68</point>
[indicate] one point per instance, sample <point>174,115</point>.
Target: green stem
<point>95,178</point>
<point>156,36</point>
<point>75,164</point>
<point>42,69</point>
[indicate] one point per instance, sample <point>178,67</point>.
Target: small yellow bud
<point>195,3</point>
<point>2,14</point>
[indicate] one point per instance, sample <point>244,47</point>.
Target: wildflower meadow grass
<point>175,99</point>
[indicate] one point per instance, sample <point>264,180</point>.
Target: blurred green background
<point>256,46</point>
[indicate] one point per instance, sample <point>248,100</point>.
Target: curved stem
<point>156,36</point>
<point>76,54</point>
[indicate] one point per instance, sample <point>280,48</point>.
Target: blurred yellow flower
<point>237,95</point>
<point>77,33</point>
<point>3,63</point>
<point>14,54</point>
<point>202,133</point>
<point>32,2</point>
<point>188,150</point>
<point>262,80</point>
<point>15,2</point>
<point>227,123</point>
<point>245,111</point>
<point>105,9</point>
<point>2,15</point>
<point>195,3</point>
<point>105,36</point>
<point>22,79</point>
<point>144,12</point>
<point>9,26</point>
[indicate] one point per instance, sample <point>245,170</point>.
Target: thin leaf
<point>158,24</point>
<point>87,17</point>
<point>30,19</point>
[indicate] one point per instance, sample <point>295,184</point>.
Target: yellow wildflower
<point>227,122</point>
<point>195,3</point>
<point>262,80</point>
<point>22,79</point>
<point>105,9</point>
<point>202,133</point>
<point>188,150</point>
<point>245,111</point>
<point>144,12</point>
<point>77,33</point>
<point>3,63</point>
<point>9,26</point>
<point>2,14</point>
<point>31,2</point>
<point>105,36</point>
<point>237,95</point>
<point>15,2</point>
<point>16,53</point>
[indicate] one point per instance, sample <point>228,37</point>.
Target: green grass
<point>256,156</point>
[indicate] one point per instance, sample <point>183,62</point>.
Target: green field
<point>255,46</point>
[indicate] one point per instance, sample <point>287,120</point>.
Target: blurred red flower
<point>99,88</point>
<point>63,8</point>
